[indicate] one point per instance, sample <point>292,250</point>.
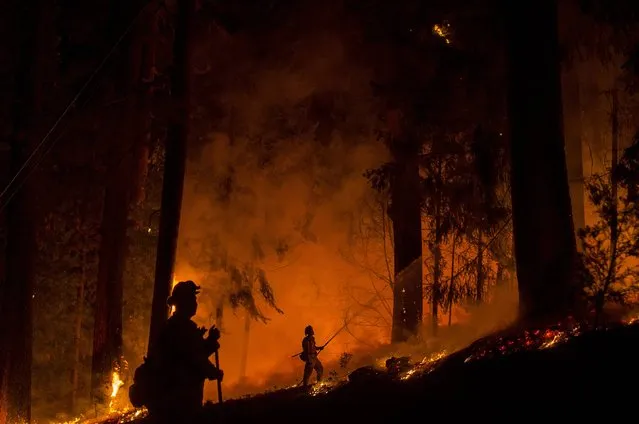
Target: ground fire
<point>116,384</point>
<point>408,173</point>
<point>403,368</point>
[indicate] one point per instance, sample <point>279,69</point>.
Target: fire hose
<point>217,355</point>
<point>219,381</point>
<point>343,327</point>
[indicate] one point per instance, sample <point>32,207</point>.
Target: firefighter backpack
<point>143,383</point>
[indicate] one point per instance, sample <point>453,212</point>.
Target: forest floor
<point>551,374</point>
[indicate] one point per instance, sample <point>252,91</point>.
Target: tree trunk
<point>572,110</point>
<point>107,330</point>
<point>614,215</point>
<point>574,159</point>
<point>545,247</point>
<point>21,219</point>
<point>405,213</point>
<point>174,170</point>
<point>5,168</point>
<point>481,278</point>
<point>451,285</point>
<point>437,272</point>
<point>77,336</point>
<point>18,292</point>
<point>120,195</point>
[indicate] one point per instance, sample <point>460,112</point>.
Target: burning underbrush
<point>404,362</point>
<point>399,364</point>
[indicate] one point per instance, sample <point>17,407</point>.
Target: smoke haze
<point>290,200</point>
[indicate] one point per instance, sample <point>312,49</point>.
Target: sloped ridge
<point>510,376</point>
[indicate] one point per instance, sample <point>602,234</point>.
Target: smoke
<point>476,322</point>
<point>277,185</point>
<point>280,187</point>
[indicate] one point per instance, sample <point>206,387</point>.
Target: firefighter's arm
<point>205,367</point>
<point>211,372</point>
<point>211,343</point>
<point>192,347</point>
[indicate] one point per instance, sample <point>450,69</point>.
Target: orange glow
<point>442,31</point>
<point>173,283</point>
<point>317,282</point>
<point>116,383</point>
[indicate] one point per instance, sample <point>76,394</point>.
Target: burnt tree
<point>571,44</point>
<point>21,219</point>
<point>574,160</point>
<point>545,247</point>
<point>405,213</point>
<point>174,169</point>
<point>129,149</point>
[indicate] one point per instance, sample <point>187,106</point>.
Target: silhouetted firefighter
<point>170,383</point>
<point>309,356</point>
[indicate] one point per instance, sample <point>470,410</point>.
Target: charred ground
<point>552,372</point>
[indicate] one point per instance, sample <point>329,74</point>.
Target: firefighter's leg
<point>308,370</point>
<point>319,369</point>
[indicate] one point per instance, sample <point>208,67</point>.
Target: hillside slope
<point>592,373</point>
<point>537,375</point>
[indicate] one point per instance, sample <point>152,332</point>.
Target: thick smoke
<point>274,189</point>
<point>294,208</point>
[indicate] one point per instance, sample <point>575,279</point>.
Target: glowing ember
<point>434,357</point>
<point>133,415</point>
<point>381,363</point>
<point>426,365</point>
<point>491,347</point>
<point>324,387</point>
<point>119,417</point>
<point>442,31</point>
<point>528,340</point>
<point>558,337</point>
<point>409,374</point>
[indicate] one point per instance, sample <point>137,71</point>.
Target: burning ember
<point>132,415</point>
<point>398,368</point>
<point>528,340</point>
<point>118,417</point>
<point>326,386</point>
<point>442,31</point>
<point>426,365</point>
<point>631,319</point>
<point>403,369</point>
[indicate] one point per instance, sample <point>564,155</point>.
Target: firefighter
<point>181,360</point>
<point>309,356</point>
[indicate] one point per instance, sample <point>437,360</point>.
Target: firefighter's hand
<point>219,375</point>
<point>214,333</point>
<point>320,348</point>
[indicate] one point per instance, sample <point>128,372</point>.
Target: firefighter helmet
<point>182,291</point>
<point>309,330</point>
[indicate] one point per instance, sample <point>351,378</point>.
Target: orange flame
<point>116,383</point>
